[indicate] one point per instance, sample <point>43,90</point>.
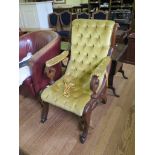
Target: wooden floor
<point>112,129</point>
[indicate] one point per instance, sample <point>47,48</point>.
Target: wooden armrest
<point>57,59</point>
<point>49,69</point>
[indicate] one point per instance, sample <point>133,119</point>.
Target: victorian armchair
<point>85,80</point>
<point>42,45</point>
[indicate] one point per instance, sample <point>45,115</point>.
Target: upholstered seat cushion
<point>73,94</point>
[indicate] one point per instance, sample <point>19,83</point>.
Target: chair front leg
<point>85,122</point>
<point>44,113</point>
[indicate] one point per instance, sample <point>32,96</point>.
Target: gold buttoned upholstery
<point>90,43</point>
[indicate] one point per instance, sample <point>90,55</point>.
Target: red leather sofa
<point>43,45</point>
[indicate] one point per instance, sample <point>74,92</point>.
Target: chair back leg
<point>44,112</point>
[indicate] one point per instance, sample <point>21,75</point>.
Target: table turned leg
<point>111,78</point>
<point>122,71</point>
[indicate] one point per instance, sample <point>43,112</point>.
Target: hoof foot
<point>82,139</point>
<point>43,120</point>
<point>116,95</point>
<point>81,126</point>
<point>113,90</point>
<point>125,77</point>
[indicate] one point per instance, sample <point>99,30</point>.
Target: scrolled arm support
<point>94,83</point>
<point>50,73</point>
<point>49,69</point>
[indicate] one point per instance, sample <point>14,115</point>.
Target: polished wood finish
<point>111,127</point>
<point>50,73</point>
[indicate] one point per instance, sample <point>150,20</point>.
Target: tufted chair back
<point>91,40</point>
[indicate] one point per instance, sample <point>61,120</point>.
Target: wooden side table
<point>129,56</point>
<point>117,55</point>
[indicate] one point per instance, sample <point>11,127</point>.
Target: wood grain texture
<point>112,125</point>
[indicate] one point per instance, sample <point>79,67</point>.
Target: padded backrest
<point>100,15</point>
<point>90,43</point>
<point>53,19</point>
<point>83,15</point>
<point>65,18</point>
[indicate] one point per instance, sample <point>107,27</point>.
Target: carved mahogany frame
<point>101,95</point>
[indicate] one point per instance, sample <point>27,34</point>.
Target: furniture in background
<point>34,14</point>
<point>121,4</point>
<point>53,19</point>
<point>100,15</point>
<point>93,5</point>
<point>123,17</point>
<point>43,45</point>
<point>62,7</point>
<point>84,83</point>
<point>117,59</point>
<point>104,5</point>
<point>23,31</point>
<point>83,15</point>
<point>61,22</point>
<point>129,56</point>
<point>65,23</point>
<point>117,65</point>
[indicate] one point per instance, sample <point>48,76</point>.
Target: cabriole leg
<point>123,74</point>
<point>86,122</point>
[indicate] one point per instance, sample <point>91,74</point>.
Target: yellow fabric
<point>91,41</point>
<point>57,59</point>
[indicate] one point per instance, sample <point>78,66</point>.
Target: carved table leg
<point>44,113</point>
<point>86,122</point>
<point>114,91</point>
<point>104,100</point>
<point>111,77</point>
<point>110,85</point>
<point>122,71</point>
